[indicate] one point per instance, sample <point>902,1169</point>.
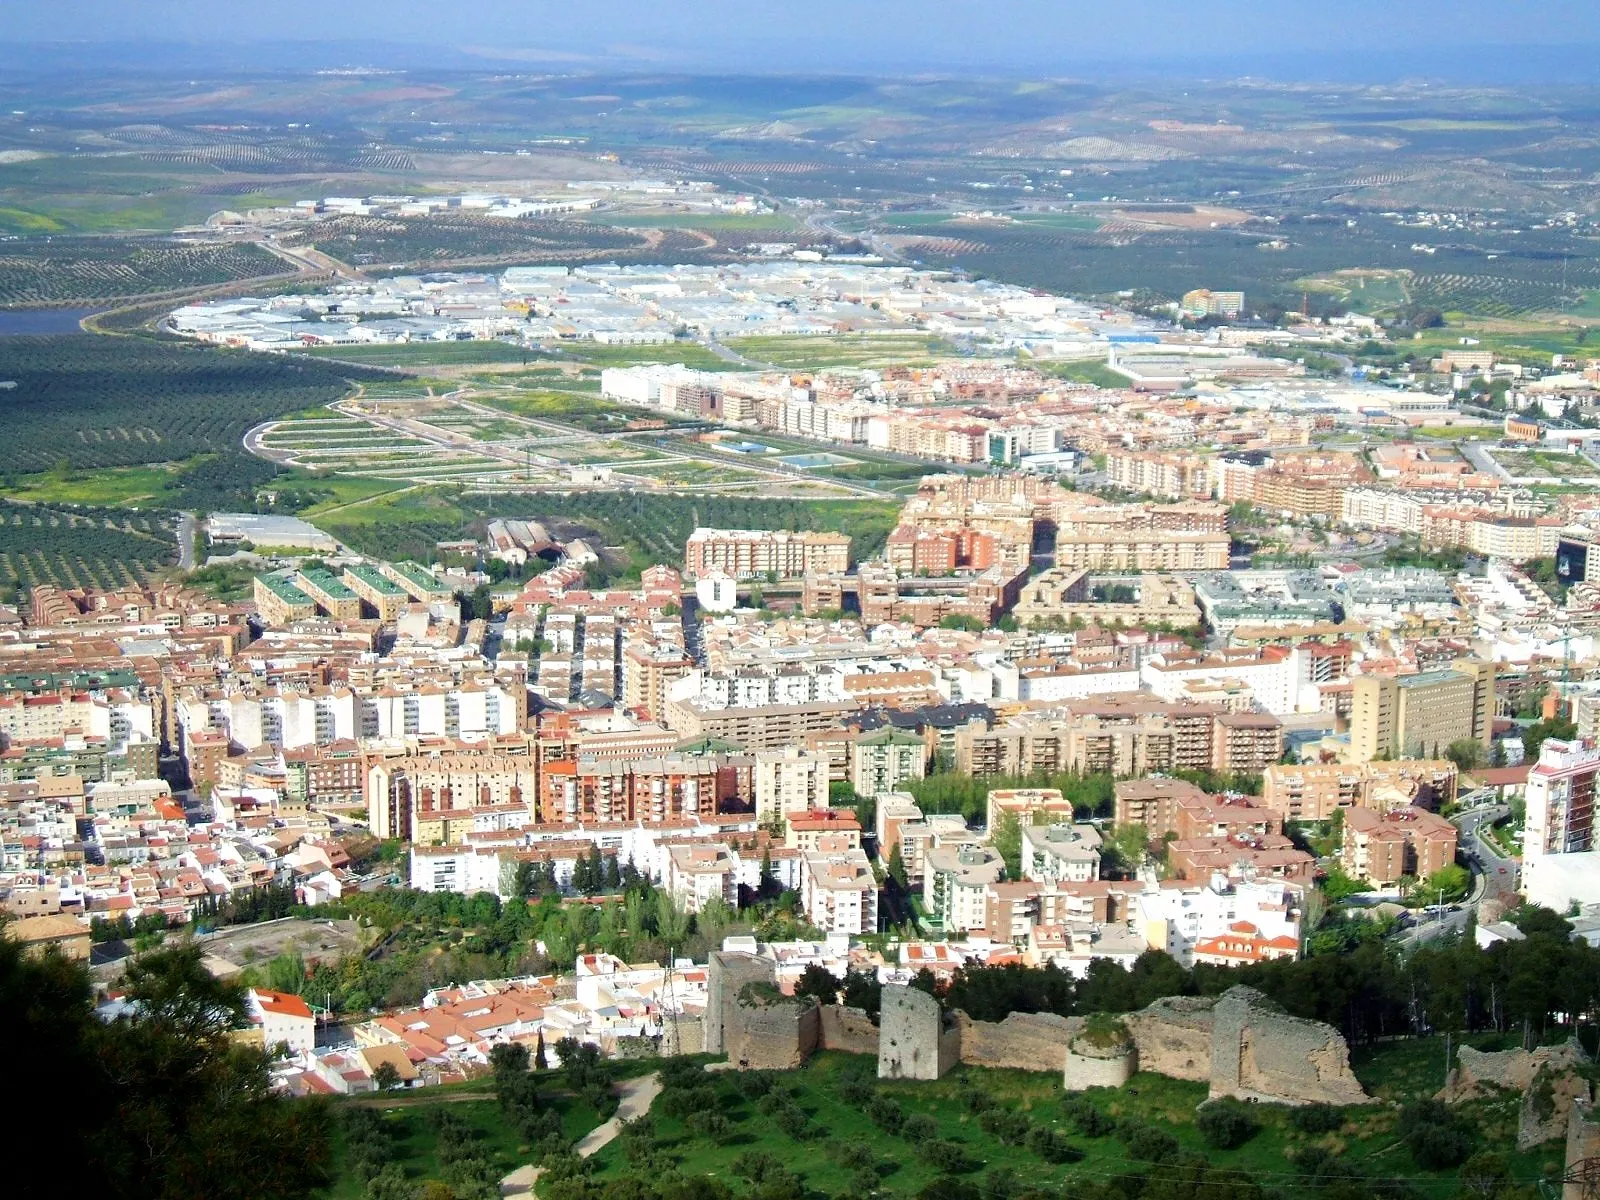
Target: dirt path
<point>635,1098</point>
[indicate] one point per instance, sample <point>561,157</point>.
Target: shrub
<point>855,1155</point>
<point>857,1093</point>
<point>919,1127</point>
<point>1315,1118</point>
<point>1010,1127</point>
<point>711,1125</point>
<point>1226,1123</point>
<point>1433,1135</point>
<point>1086,1118</point>
<point>886,1114</point>
<point>1049,1145</point>
<point>948,1158</point>
<point>1148,1143</point>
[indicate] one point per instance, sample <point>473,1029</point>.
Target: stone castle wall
<point>773,1036</point>
<point>1547,1077</point>
<point>847,1029</point>
<point>1259,1052</point>
<point>726,973</point>
<point>1173,1037</point>
<point>1023,1041</point>
<point>914,1039</point>
<point>1092,1066</point>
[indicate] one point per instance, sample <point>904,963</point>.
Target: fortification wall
<point>1259,1052</point>
<point>1091,1066</point>
<point>914,1040</point>
<point>773,1036</point>
<point>847,1029</point>
<point>726,973</point>
<point>1476,1071</point>
<point>683,1035</point>
<point>1023,1041</point>
<point>1173,1037</point>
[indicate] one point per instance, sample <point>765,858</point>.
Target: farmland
<point>82,546</point>
<point>97,402</point>
<point>86,270</point>
<point>844,350</point>
<point>379,240</point>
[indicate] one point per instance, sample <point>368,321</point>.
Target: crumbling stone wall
<point>682,1034</point>
<point>847,1029</point>
<point>726,973</point>
<point>1101,1054</point>
<point>915,1041</point>
<point>1546,1076</point>
<point>1260,1052</point>
<point>771,1032</point>
<point>1173,1037</point>
<point>1478,1071</point>
<point>1023,1041</point>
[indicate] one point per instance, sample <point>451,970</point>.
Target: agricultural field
<point>843,1132</point>
<point>428,354</point>
<point>1543,465</point>
<point>843,350</point>
<point>369,241</point>
<point>83,546</point>
<point>95,402</point>
<point>95,270</point>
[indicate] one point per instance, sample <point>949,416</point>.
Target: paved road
<point>636,1096</point>
<point>1495,872</point>
<point>186,532</point>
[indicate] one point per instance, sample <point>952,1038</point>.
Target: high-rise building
<point>753,553</point>
<point>789,780</point>
<point>1558,841</point>
<point>1418,716</point>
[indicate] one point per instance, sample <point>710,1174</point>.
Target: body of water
<point>16,321</point>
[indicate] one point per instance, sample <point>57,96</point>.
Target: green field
<point>428,354</point>
<point>842,350</point>
<point>712,223</point>
<point>412,1123</point>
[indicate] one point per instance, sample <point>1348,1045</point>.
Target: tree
<point>896,867</point>
<point>817,981</point>
<point>1225,1123</point>
<point>165,1104</point>
<point>1006,838</point>
<point>385,1077</point>
<point>1466,753</point>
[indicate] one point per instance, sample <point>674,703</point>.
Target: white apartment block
<point>1174,918</point>
<point>1560,863</point>
<point>1060,853</point>
<point>838,892</point>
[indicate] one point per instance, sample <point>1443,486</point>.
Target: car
<point>1502,870</point>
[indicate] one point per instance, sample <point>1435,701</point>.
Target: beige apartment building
<point>789,780</point>
<point>1170,476</point>
<point>756,553</point>
<point>279,601</point>
<point>1410,716</point>
<point>1381,848</point>
<point>760,727</point>
<point>1314,791</point>
<point>1126,735</point>
<point>647,669</point>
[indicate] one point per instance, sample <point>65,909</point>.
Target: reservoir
<point>15,321</point>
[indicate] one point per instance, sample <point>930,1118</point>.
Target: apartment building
<point>648,668</point>
<point>1560,855</point>
<point>823,829</point>
<point>666,788</point>
<point>788,781</point>
<point>1061,852</point>
<point>1027,805</point>
<point>1167,475</point>
<point>1314,791</point>
<point>440,798</point>
<point>757,553</point>
<point>1381,848</point>
<point>329,594</point>
<point>698,874</point>
<point>883,759</point>
<point>956,882</point>
<point>279,602</point>
<point>380,595</point>
<point>1409,716</point>
<point>757,727</point>
<point>838,892</point>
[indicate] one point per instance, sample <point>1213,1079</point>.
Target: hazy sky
<point>1439,36</point>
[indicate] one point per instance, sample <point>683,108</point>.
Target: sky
<point>1422,37</point>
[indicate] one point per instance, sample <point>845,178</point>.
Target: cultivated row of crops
<point>110,402</point>
<point>83,547</point>
<point>94,269</point>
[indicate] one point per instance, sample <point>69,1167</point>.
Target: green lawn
<point>1091,371</point>
<point>842,350</point>
<point>601,354</point>
<point>1367,1137</point>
